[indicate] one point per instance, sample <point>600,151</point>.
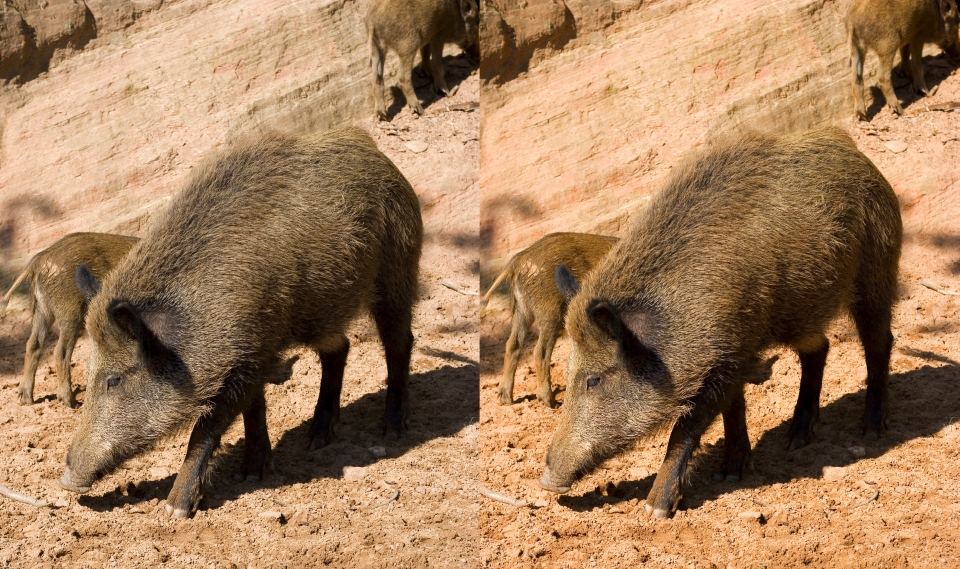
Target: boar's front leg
<point>184,498</point>
<point>664,496</point>
<point>257,456</point>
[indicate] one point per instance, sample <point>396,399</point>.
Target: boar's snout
<point>550,481</point>
<point>69,482</point>
<point>72,479</point>
<point>547,483</point>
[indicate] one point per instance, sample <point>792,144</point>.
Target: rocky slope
<point>102,139</point>
<point>585,135</point>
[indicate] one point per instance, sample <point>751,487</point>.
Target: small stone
<point>857,451</point>
<point>753,516</point>
<point>895,146</point>
<point>354,473</point>
<point>378,451</point>
<point>416,146</point>
<point>833,473</point>
<point>273,515</point>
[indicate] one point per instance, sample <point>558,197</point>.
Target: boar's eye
<point>113,381</point>
<point>593,381</point>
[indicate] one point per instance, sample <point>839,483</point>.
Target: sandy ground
<point>344,505</point>
<point>843,501</point>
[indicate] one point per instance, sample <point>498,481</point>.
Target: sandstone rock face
<point>114,15</point>
<point>102,139</point>
<point>40,31</point>
<point>13,41</point>
<point>582,139</point>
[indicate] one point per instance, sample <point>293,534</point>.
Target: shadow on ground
<point>922,402</point>
<point>935,70</point>
<point>456,69</point>
<point>442,402</point>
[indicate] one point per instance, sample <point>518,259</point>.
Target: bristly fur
<point>757,241</point>
<point>279,242</point>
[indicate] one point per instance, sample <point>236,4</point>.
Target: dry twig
<point>22,498</point>
<point>939,289</point>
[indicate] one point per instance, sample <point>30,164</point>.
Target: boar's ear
<point>152,330</point>
<point>631,329</point>
<point>566,283</point>
<point>87,283</point>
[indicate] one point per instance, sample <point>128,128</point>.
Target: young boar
<point>418,25</point>
<point>55,298</point>
<point>888,26</point>
<point>759,242</point>
<point>534,299</point>
<point>279,243</point>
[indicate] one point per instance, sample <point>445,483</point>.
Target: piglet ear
<point>566,283</point>
<point>87,283</point>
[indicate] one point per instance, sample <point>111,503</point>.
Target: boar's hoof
<point>504,397</point>
<point>874,426</point>
<point>320,439</point>
<point>394,424</point>
<point>25,397</point>
<point>656,513</point>
<point>547,399</point>
<point>257,470</point>
<point>799,437</point>
<point>176,512</point>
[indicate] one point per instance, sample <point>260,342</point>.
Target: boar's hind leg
<point>257,461</point>
<point>807,410</point>
<point>736,441</point>
<point>333,360</point>
<point>916,69</point>
<point>393,317</point>
<point>873,325</point>
<point>436,69</point>
<point>549,331</point>
<point>31,359</point>
<point>511,356</point>
<point>69,332</point>
<point>184,497</point>
<point>406,82</point>
<point>886,83</point>
<point>664,496</point>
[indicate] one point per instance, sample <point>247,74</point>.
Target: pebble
<point>416,146</point>
<point>895,146</point>
<point>833,473</point>
<point>857,451</point>
<point>752,515</point>
<point>273,515</point>
<point>354,473</point>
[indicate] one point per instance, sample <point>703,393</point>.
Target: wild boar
<point>760,241</point>
<point>55,299</point>
<point>280,242</point>
<point>535,300</point>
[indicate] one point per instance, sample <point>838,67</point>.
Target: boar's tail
<point>27,274</point>
<point>505,275</point>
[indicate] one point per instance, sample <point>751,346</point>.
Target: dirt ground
<point>843,501</point>
<point>408,503</point>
